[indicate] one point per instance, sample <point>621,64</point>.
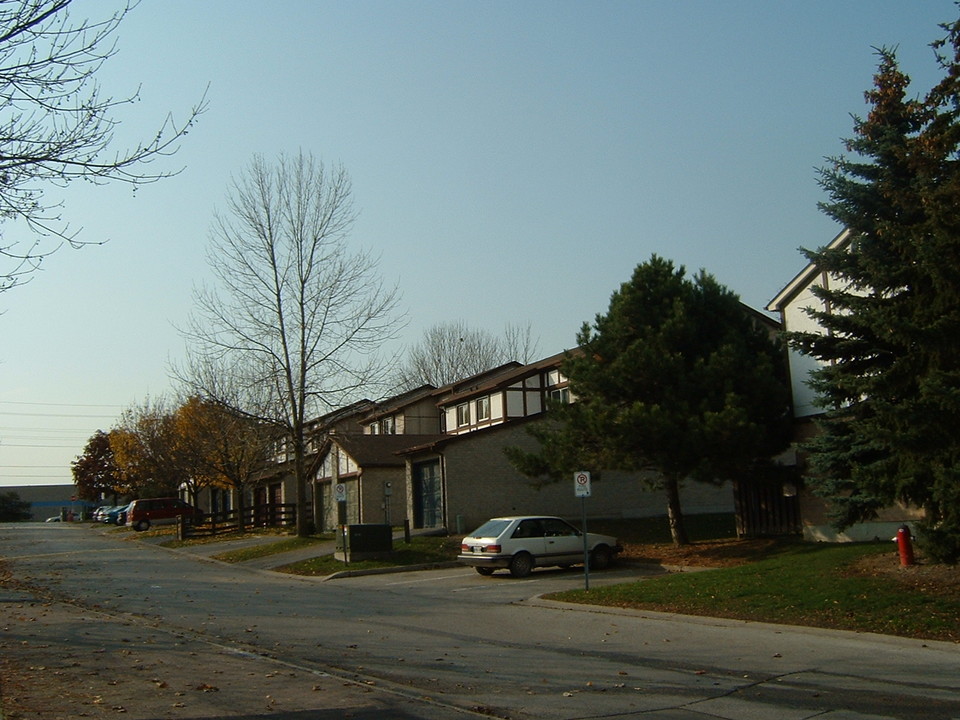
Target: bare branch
<point>451,351</point>
<point>56,127</point>
<point>295,312</point>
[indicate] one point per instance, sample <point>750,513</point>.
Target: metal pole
<point>586,552</point>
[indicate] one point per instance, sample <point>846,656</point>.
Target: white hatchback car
<point>525,542</point>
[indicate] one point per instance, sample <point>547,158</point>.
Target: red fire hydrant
<point>904,545</point>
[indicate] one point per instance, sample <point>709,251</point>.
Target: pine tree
<point>890,378</point>
<point>676,379</point>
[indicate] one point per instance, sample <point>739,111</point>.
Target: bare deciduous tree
<point>56,127</point>
<point>302,315</point>
<point>451,351</point>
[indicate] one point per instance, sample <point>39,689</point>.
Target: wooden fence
<point>230,521</point>
<point>765,510</point>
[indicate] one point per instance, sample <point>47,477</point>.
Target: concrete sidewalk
<point>271,562</point>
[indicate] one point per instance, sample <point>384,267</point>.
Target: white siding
<point>496,406</point>
<point>797,320</point>
<point>347,465</point>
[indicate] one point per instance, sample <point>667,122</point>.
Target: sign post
<point>340,495</point>
<point>581,489</point>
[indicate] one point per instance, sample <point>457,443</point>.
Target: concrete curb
<point>394,569</point>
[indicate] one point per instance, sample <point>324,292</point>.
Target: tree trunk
<point>674,513</point>
<point>303,522</point>
<point>300,477</point>
<point>241,509</point>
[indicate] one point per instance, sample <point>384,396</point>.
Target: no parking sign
<point>581,484</point>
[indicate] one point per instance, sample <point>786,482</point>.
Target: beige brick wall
<point>480,483</point>
<point>373,482</point>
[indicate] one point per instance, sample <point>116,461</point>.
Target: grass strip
<point>801,584</point>
<point>424,550</point>
<point>253,552</point>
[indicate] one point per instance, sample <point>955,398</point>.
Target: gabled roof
<point>770,323</point>
<point>805,277</point>
<point>340,414</point>
<point>482,378</point>
<point>379,450</point>
<point>392,404</point>
<point>507,376</point>
<point>436,443</point>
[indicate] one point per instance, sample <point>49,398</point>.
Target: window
<point>560,395</point>
<point>483,408</point>
<point>528,529</point>
<point>555,527</point>
<point>388,426</point>
<point>463,415</point>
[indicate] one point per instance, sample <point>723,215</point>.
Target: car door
<point>563,542</point>
<point>527,537</point>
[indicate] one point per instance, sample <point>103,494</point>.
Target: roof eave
<point>804,277</point>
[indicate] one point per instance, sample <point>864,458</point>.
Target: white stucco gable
<point>792,303</point>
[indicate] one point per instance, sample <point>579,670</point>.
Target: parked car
<point>97,515</point>
<point>525,542</point>
<point>146,512</point>
<point>115,515</point>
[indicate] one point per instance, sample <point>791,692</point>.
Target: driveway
<point>96,623</point>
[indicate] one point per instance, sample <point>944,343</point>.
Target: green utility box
<point>364,541</point>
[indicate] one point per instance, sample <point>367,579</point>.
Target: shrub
<point>940,544</point>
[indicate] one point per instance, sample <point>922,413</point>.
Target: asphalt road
<point>450,643</point>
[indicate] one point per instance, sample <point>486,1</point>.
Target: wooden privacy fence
<point>230,521</point>
<point>765,509</point>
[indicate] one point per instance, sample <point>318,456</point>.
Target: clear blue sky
<point>512,163</point>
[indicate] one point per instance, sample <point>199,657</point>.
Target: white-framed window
<point>388,426</point>
<point>463,415</point>
<point>561,395</point>
<point>483,408</point>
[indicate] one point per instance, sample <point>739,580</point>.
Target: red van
<point>158,511</point>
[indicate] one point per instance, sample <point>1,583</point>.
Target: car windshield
<point>491,528</point>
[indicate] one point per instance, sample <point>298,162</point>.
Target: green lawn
<point>273,548</point>
<point>797,584</point>
<point>422,550</point>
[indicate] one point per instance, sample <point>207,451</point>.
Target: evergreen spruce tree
<point>890,378</point>
<point>676,379</point>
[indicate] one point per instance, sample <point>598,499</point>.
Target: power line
<point>46,404</point>
<point>56,415</point>
<point>31,467</point>
<point>23,445</point>
<point>24,428</point>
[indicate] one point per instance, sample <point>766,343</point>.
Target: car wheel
<point>142,525</point>
<point>484,570</point>
<point>521,564</point>
<point>600,558</point>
